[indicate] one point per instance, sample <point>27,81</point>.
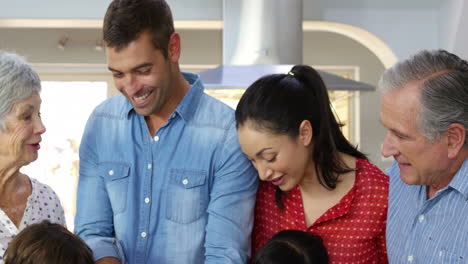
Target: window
<point>66,106</point>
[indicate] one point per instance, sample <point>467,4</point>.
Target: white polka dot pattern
<point>42,204</point>
<point>353,230</point>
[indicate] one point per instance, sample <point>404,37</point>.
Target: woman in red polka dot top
<point>313,179</point>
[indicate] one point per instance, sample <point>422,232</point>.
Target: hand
<point>108,260</point>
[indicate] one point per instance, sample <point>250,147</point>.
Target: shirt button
<point>421,218</point>
<point>173,115</point>
<point>149,166</point>
<point>111,172</point>
<point>156,138</point>
<point>143,234</point>
<point>410,258</point>
<point>147,200</point>
<point>185,181</point>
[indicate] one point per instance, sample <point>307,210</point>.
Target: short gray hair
<point>443,77</point>
<point>18,81</point>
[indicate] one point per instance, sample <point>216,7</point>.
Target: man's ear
<point>173,50</point>
<point>456,136</point>
<point>305,133</point>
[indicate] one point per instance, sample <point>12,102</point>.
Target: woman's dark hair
<point>47,243</point>
<point>125,20</point>
<point>279,103</point>
<point>293,246</point>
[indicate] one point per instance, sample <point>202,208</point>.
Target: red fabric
<point>353,230</point>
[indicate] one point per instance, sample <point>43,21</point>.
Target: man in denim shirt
<point>425,110</point>
<point>162,176</point>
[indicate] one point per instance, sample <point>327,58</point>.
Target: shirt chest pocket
<point>116,179</point>
<point>187,195</point>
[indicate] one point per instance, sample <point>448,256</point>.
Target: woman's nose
<point>265,173</point>
<point>40,127</point>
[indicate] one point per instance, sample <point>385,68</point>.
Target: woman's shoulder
<point>371,188</point>
<point>370,175</point>
<point>367,168</point>
<point>43,204</point>
<point>42,189</point>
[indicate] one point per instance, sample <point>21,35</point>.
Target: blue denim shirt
<point>183,195</point>
<point>428,231</point>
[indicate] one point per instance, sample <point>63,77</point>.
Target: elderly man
<point>425,110</point>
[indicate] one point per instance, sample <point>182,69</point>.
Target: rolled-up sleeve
<point>232,201</point>
<point>94,217</point>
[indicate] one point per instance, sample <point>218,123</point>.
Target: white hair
<point>444,91</point>
<point>18,81</point>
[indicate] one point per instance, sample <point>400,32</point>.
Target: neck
<point>454,167</point>
<point>9,177</point>
<point>179,88</point>
<point>310,182</point>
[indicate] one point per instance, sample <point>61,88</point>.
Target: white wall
<point>406,26</point>
<point>321,48</point>
<point>53,9</point>
<point>453,20</point>
<point>396,27</point>
<point>40,45</point>
<point>95,9</point>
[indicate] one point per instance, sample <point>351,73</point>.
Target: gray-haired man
<point>425,110</point>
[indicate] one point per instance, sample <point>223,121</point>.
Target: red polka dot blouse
<point>353,230</point>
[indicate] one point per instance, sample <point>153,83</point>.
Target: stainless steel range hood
<point>263,37</point>
<point>236,76</point>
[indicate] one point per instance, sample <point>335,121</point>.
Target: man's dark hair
<point>125,20</point>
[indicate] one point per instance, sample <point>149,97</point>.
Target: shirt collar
<point>128,107</point>
<point>460,180</point>
<point>189,103</point>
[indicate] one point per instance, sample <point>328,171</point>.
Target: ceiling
<point>438,24</point>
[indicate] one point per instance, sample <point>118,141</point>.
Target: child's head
<point>47,243</point>
<point>293,246</point>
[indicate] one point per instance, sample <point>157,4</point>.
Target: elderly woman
<point>23,200</point>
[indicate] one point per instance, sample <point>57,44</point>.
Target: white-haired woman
<point>23,200</point>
